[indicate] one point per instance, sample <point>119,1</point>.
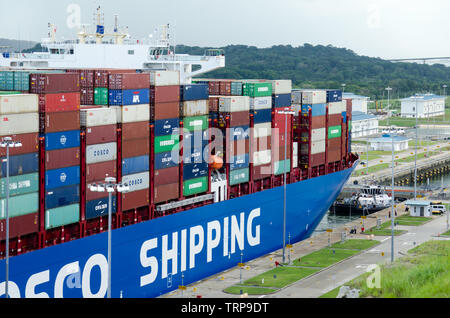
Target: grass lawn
<point>372,169</point>
<point>280,277</point>
<point>385,230</point>
<point>324,257</point>
<point>236,290</point>
<point>446,233</point>
<point>425,273</point>
<point>411,122</point>
<point>411,220</point>
<point>355,244</point>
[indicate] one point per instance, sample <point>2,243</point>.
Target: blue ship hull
<point>149,259</point>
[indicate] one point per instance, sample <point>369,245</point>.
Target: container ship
<point>205,164</point>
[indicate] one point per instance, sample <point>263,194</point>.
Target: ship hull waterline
<point>155,257</point>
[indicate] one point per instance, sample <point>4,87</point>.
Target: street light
<point>389,89</point>
<point>343,87</point>
<point>111,187</point>
<point>415,155</point>
<point>7,143</point>
<point>286,113</point>
<point>392,203</point>
<point>445,98</point>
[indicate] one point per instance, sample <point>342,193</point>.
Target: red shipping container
<point>166,192</point>
<point>164,110</point>
<point>225,88</point>
<point>135,148</point>
<point>236,118</point>
<point>279,122</point>
<point>54,83</point>
<point>101,134</point>
<point>278,139</point>
<point>20,226</point>
<point>101,77</point>
<point>86,77</point>
<point>30,143</point>
<point>334,120</point>
<point>334,143</point>
<point>214,104</point>
<point>262,172</point>
<point>136,130</point>
<point>349,105</point>
<point>129,81</point>
<point>87,96</point>
<point>166,176</point>
<point>317,160</point>
<point>60,102</point>
<point>237,148</point>
<point>94,195</point>
<point>262,143</point>
<point>62,158</point>
<point>61,121</point>
<point>134,200</point>
<point>278,154</point>
<point>164,94</point>
<point>334,155</point>
<point>214,88</point>
<point>98,171</point>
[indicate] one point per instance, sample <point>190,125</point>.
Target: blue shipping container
<point>194,92</point>
<point>239,133</point>
<point>240,162</point>
<point>62,140</point>
<point>19,165</point>
<point>62,196</point>
<point>166,127</point>
<point>334,95</point>
<point>58,178</point>
<point>317,109</point>
<point>344,115</point>
<point>195,170</point>
<point>135,165</point>
<point>281,100</point>
<point>165,160</point>
<point>262,116</point>
<point>129,97</point>
<point>100,207</point>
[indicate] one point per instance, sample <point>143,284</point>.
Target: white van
<point>438,209</point>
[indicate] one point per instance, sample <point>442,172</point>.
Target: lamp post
<point>111,187</point>
<point>392,203</point>
<point>415,155</point>
<point>7,143</point>
<point>389,89</point>
<point>445,98</point>
<point>286,113</point>
<point>343,87</point>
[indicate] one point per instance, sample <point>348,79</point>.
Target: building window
<point>130,52</point>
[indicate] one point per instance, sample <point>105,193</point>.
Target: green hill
<point>328,67</point>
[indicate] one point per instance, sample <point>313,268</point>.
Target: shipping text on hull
<point>177,148</point>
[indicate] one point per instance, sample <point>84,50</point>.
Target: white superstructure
<point>116,50</point>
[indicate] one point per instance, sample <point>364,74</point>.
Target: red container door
<point>129,81</point>
<point>135,147</point>
<point>136,130</point>
<point>61,121</point>
<point>101,134</point>
<point>165,110</point>
<point>166,192</point>
<point>20,226</point>
<point>30,143</point>
<point>134,200</point>
<point>164,94</point>
<point>60,102</point>
<point>166,176</point>
<point>62,158</point>
<point>262,172</point>
<point>99,171</point>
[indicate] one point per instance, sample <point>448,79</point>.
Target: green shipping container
<point>101,96</point>
<point>62,216</point>
<point>167,143</point>
<point>349,125</point>
<point>196,123</point>
<point>279,166</point>
<point>257,89</point>
<point>195,186</point>
<point>10,93</point>
<point>20,185</point>
<point>239,176</point>
<point>334,132</point>
<point>236,88</point>
<point>20,205</point>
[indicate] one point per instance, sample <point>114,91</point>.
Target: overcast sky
<point>377,28</point>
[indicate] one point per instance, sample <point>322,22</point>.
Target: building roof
<point>353,96</point>
<point>423,97</point>
<point>357,115</point>
<point>388,138</point>
<point>418,202</point>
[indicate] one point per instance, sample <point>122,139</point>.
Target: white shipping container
<point>101,153</point>
<point>132,114</point>
<point>296,97</point>
<point>19,104</point>
<point>138,181</point>
<point>15,124</point>
<point>164,78</point>
<point>234,104</point>
<point>317,147</point>
<point>295,148</point>
<point>337,108</point>
<point>98,117</point>
<point>314,97</point>
<point>297,108</point>
<point>262,130</point>
<point>294,161</point>
<point>262,157</point>
<point>318,134</point>
<point>257,103</point>
<point>281,87</point>
<point>195,108</point>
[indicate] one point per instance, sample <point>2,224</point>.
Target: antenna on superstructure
<point>99,21</point>
<point>51,32</point>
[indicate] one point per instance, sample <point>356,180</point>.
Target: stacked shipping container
<point>165,111</point>
<point>19,119</point>
<point>336,111</point>
<point>59,103</point>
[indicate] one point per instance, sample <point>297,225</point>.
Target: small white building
<point>359,103</point>
<point>363,124</point>
<point>385,143</point>
<point>419,208</point>
<point>428,105</point>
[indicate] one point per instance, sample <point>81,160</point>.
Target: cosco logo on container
<point>135,182</point>
<point>63,177</point>
<point>63,140</point>
<point>102,152</point>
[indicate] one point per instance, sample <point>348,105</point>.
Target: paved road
<point>328,279</point>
